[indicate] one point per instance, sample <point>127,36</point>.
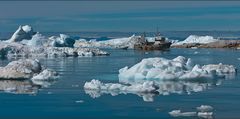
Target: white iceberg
<point>11,50</point>
<point>61,41</point>
<point>179,68</point>
<point>26,69</point>
<point>26,35</point>
<point>146,87</point>
<point>128,42</point>
<point>196,39</point>
<point>205,108</point>
<point>27,43</point>
<point>23,32</point>
<point>37,40</point>
<point>163,76</point>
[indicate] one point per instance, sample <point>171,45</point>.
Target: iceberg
<point>128,42</point>
<point>61,41</point>
<point>26,35</point>
<point>160,76</point>
<point>27,43</point>
<point>11,50</point>
<point>23,32</point>
<point>26,69</point>
<point>194,39</point>
<point>146,87</point>
<point>179,68</point>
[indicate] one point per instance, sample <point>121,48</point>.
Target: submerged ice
<point>163,76</point>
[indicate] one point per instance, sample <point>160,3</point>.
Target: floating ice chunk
<point>26,69</point>
<point>28,29</point>
<point>79,101</point>
<point>178,113</point>
<point>146,87</point>
<point>196,39</point>
<point>205,108</point>
<point>206,115</point>
<point>37,40</point>
<point>204,111</point>
<point>46,75</point>
<point>178,68</point>
<point>62,41</point>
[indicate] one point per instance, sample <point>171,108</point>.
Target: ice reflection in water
<point>23,86</point>
<point>164,88</point>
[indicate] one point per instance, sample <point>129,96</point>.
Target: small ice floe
<point>194,47</point>
<point>79,101</point>
<point>203,111</point>
<point>49,93</point>
<point>75,86</point>
<point>196,52</point>
<point>146,87</point>
<point>205,115</point>
<point>205,108</point>
<point>178,113</point>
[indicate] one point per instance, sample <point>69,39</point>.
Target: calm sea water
<point>66,97</point>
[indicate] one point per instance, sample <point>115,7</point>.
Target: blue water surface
<point>66,97</point>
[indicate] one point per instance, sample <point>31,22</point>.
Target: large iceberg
<point>10,50</point>
<point>128,42</point>
<point>179,68</point>
<point>194,39</point>
<point>162,76</point>
<point>27,43</point>
<point>26,35</point>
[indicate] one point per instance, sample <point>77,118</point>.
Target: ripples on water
<point>67,98</point>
